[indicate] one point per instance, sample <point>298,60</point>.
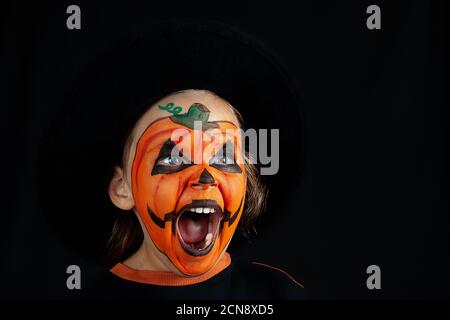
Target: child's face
<point>189,192</point>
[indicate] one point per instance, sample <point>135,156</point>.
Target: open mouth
<point>198,225</point>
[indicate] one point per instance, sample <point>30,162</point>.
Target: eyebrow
<point>143,141</point>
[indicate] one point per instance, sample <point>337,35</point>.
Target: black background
<point>374,188</point>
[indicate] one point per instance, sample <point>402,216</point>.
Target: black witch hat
<point>87,136</point>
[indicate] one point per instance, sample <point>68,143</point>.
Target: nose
<point>205,181</point>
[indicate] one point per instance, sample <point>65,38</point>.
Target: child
<point>185,177</point>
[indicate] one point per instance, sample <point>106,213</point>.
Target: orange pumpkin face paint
<point>190,208</point>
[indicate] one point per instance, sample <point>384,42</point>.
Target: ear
<point>119,191</point>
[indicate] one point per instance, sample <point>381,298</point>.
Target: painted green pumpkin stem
<point>197,113</point>
<point>170,107</point>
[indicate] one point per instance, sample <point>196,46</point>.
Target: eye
<point>222,160</point>
<point>171,161</point>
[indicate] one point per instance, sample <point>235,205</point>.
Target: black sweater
<point>240,280</point>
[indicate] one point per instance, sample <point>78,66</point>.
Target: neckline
<point>167,278</point>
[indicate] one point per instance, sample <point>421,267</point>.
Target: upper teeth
<point>203,210</point>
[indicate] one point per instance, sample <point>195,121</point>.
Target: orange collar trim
<point>167,278</point>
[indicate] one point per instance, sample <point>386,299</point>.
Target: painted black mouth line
<point>158,221</point>
<point>201,203</point>
<point>173,217</point>
<point>230,218</point>
<point>168,217</point>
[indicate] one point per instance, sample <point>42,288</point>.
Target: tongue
<point>193,227</point>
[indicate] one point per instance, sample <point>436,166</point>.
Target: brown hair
<point>127,235</point>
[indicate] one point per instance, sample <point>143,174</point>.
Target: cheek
<point>232,187</point>
<point>160,192</point>
<point>167,192</point>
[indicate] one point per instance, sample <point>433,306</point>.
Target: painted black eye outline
<point>227,153</point>
<point>162,163</point>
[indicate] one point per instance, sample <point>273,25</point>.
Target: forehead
<point>162,130</point>
<point>220,111</point>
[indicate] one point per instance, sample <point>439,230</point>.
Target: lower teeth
<point>208,239</point>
